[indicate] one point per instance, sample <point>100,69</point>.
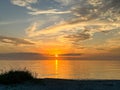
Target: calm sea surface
<point>67,69</point>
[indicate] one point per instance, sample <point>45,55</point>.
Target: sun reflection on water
<point>56,68</point>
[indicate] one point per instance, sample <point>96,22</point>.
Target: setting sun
<point>56,55</point>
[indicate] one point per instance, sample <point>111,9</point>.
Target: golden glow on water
<point>67,69</point>
<point>56,68</point>
<point>78,69</point>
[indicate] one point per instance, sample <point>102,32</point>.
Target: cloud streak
<point>89,17</point>
<point>15,41</point>
<point>22,56</point>
<point>76,37</point>
<point>71,54</point>
<point>51,11</point>
<point>34,11</point>
<point>25,3</point>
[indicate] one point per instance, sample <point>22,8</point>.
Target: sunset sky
<point>88,29</point>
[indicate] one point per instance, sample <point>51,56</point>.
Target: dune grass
<point>15,77</point>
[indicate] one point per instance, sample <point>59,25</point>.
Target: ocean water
<point>66,69</point>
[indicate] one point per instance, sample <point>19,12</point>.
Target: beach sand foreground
<point>63,84</point>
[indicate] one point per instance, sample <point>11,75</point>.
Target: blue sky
<point>60,26</point>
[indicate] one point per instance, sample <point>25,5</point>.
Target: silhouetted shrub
<point>15,77</point>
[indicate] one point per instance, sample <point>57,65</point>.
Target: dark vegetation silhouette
<point>15,77</point>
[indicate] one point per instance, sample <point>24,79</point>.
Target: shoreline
<point>64,84</point>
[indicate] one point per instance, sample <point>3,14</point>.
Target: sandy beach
<point>63,84</point>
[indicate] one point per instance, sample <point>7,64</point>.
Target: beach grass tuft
<point>15,77</point>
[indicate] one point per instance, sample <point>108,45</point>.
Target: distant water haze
<point>66,56</point>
